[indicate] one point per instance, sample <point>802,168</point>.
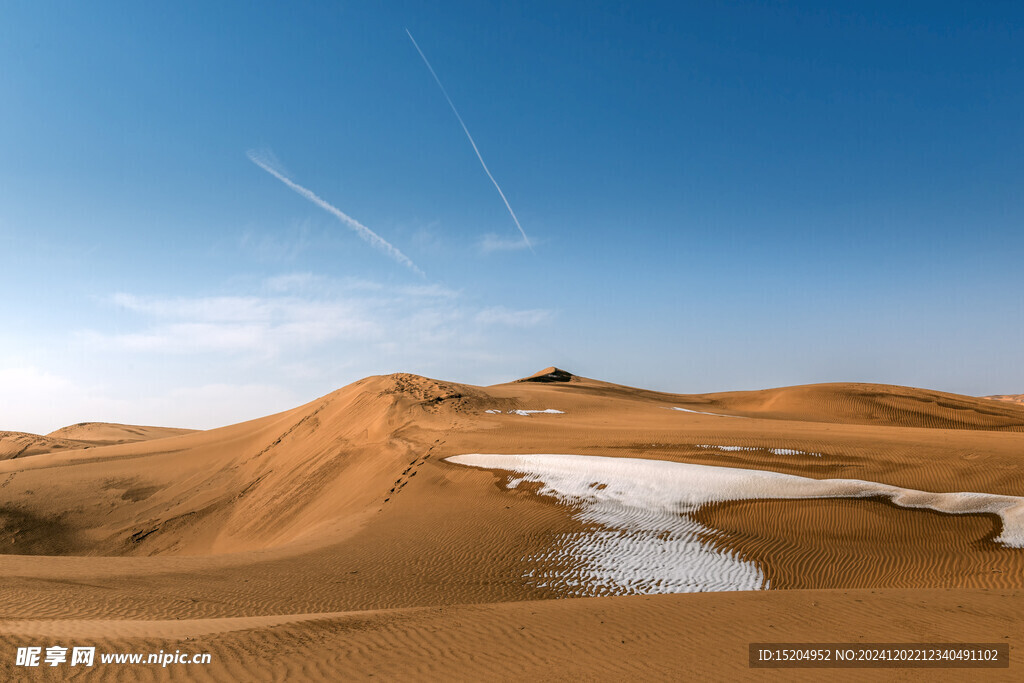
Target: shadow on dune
<point>25,533</point>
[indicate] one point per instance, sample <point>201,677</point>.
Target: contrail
<point>363,231</point>
<point>466,131</point>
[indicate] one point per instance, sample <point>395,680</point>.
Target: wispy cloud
<point>307,283</point>
<point>499,315</point>
<point>490,243</point>
<point>298,314</point>
<point>261,325</point>
<point>526,240</point>
<point>278,247</point>
<point>369,236</point>
<point>292,282</point>
<point>205,361</point>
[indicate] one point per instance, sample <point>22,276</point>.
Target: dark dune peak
<point>551,374</point>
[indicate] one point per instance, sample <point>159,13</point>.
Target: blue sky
<point>721,195</point>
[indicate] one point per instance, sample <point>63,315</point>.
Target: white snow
<point>647,543</point>
<point>701,412</point>
<point>776,451</point>
<point>527,413</point>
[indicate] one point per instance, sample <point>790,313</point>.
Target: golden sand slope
<point>346,505</point>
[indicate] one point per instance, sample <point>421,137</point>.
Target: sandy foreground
<point>337,540</point>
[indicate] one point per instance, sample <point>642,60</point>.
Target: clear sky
<point>719,195</point>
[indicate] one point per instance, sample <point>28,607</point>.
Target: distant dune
<point>80,436</point>
<point>21,444</point>
<point>106,433</point>
<point>337,538</point>
<point>1011,398</point>
<point>872,404</point>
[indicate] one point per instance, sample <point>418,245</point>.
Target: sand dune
<point>79,436</point>
<point>1010,398</point>
<point>22,444</point>
<point>842,403</point>
<point>345,520</point>
<point>258,484</point>
<point>106,433</point>
<point>873,404</point>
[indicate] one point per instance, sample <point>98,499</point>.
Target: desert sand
<point>549,528</point>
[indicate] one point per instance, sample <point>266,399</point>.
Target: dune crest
<point>551,374</point>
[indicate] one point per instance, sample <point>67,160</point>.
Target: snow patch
<point>776,451</point>
<point>646,542</point>
<point>701,412</point>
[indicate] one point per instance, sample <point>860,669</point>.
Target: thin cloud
<point>300,333</point>
<point>265,326</point>
<point>499,315</point>
<point>526,240</point>
<point>292,282</point>
<point>491,243</point>
<point>300,315</point>
<point>364,232</point>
